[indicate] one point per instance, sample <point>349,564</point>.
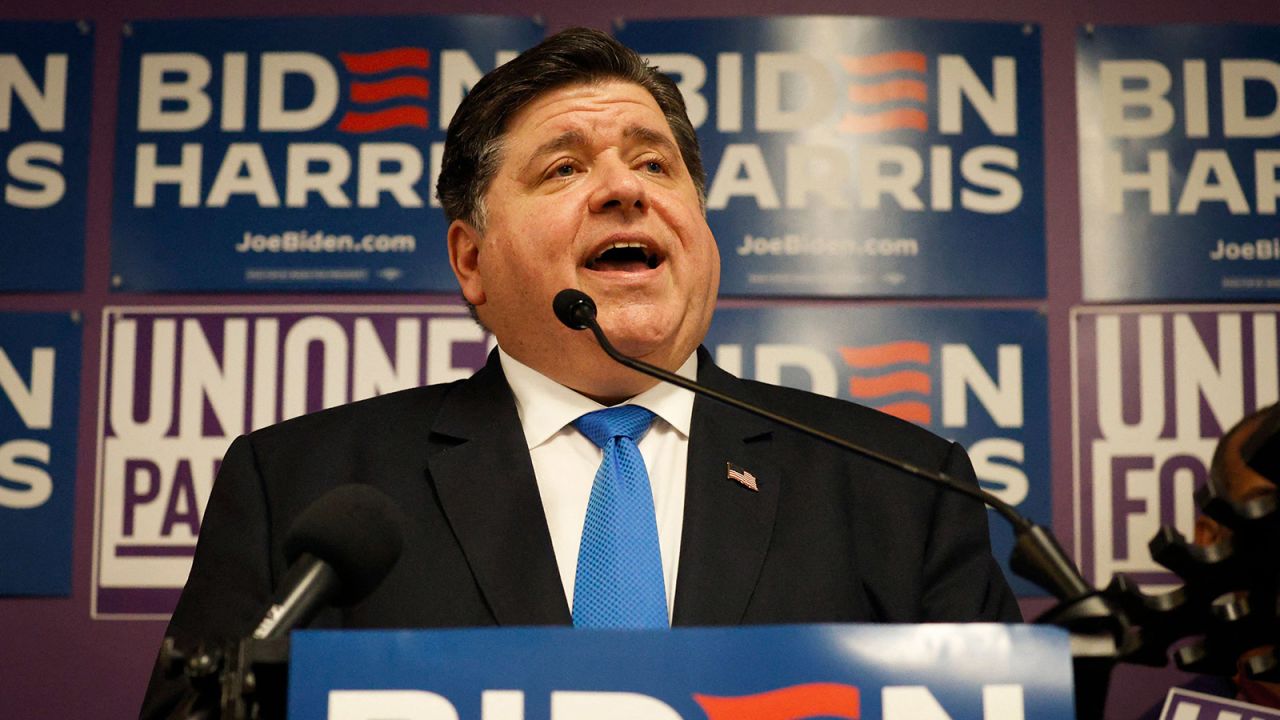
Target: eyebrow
<point>651,137</point>
<point>571,139</point>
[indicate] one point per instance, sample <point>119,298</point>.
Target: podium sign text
<point>924,672</point>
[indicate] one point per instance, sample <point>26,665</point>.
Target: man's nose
<point>617,187</point>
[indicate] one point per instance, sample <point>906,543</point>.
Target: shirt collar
<point>546,407</point>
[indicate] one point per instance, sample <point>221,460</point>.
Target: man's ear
<point>464,257</point>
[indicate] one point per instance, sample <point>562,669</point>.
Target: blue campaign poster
<point>873,672</point>
<point>39,388</point>
<point>292,154</point>
<point>1179,172</point>
<point>852,156</point>
<point>978,377</point>
<point>45,74</point>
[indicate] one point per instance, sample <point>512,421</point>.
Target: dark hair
<point>473,145</point>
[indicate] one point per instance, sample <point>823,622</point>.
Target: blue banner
<point>39,401</point>
<point>1179,167</point>
<point>865,672</point>
<point>865,157</point>
<point>45,80</point>
<point>979,377</point>
<point>292,154</point>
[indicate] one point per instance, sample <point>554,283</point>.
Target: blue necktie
<point>619,580</point>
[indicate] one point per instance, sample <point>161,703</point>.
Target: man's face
<point>592,193</point>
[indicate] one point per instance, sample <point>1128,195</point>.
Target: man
<point>575,165</point>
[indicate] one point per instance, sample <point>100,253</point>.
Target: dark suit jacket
<point>829,537</point>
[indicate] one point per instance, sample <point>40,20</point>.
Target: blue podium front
<point>889,672</point>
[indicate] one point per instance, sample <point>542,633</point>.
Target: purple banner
<point>1187,705</point>
<point>179,384</point>
<point>1155,387</point>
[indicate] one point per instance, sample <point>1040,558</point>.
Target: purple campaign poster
<point>179,384</point>
<point>1155,388</point>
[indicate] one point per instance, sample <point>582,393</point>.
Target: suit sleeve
<point>230,583</point>
<point>962,582</point>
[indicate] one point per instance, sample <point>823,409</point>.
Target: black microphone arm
<point>1036,556</point>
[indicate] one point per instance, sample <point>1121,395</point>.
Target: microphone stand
<point>1101,631</point>
<point>241,680</point>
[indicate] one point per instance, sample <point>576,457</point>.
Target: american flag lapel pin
<point>742,476</point>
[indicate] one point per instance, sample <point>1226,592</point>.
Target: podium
<point>888,672</point>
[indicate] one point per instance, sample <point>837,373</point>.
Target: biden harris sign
<point>45,87</point>
<point>1179,167</point>
<point>978,377</point>
<point>39,397</point>
<point>853,672</point>
<point>292,154</point>
<point>865,157</point>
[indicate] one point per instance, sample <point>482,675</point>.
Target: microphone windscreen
<point>566,305</point>
<point>356,530</point>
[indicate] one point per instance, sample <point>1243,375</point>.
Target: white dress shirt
<point>565,461</point>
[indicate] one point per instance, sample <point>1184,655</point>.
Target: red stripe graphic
<point>828,700</point>
<point>384,60</point>
<point>403,116</point>
<point>905,351</point>
<point>857,124</point>
<point>397,87</point>
<point>903,381</point>
<point>910,410</point>
<point>888,92</point>
<point>882,63</point>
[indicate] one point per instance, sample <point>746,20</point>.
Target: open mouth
<point>625,257</point>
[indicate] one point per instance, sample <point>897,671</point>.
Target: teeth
<point>620,246</point>
<point>651,259</point>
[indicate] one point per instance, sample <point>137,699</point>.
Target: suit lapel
<point>727,526</point>
<point>481,469</point>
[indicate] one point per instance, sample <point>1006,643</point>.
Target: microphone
<point>1037,556</point>
<point>339,550</point>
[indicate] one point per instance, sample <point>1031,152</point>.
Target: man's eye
<point>655,167</point>
<point>564,170</point>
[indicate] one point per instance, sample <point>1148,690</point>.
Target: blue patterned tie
<point>619,580</point>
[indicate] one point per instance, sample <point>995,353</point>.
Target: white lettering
<point>962,373</point>
<point>46,106</point>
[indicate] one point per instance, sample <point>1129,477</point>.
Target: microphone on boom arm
<point>1036,556</point>
<point>1104,630</point>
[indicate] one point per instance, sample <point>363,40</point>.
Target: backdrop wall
<point>56,660</point>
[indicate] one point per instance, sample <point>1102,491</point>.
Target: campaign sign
<point>1187,705</point>
<point>179,384</point>
<point>855,156</point>
<point>978,377</point>
<point>867,672</point>
<point>39,401</point>
<point>298,153</point>
<point>1155,388</point>
<point>1179,163</point>
<point>45,86</point>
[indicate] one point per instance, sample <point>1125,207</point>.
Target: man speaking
<point>556,486</point>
